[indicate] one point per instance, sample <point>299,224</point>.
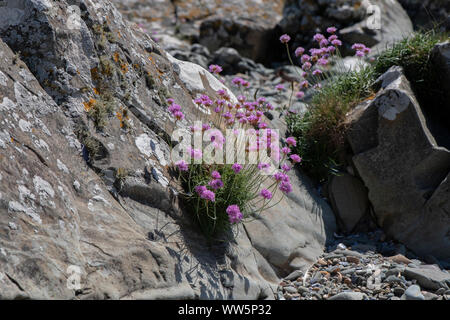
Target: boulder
<point>349,199</point>
<point>405,170</point>
<point>354,18</point>
<point>89,212</point>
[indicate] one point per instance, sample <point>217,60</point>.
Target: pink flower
<point>323,43</point>
<point>174,108</point>
<point>318,37</point>
<point>279,87</point>
<point>266,194</point>
<point>182,165</point>
<point>358,46</point>
<point>234,214</point>
<point>336,43</point>
<point>300,94</point>
<point>285,187</point>
<point>216,184</point>
<point>179,115</point>
<point>291,141</point>
<point>170,101</point>
<point>360,53</point>
<point>331,30</point>
<point>306,66</point>
<point>286,150</point>
<point>299,51</point>
<point>208,195</point>
<point>214,68</point>
<point>332,37</point>
<point>206,127</point>
<point>285,38</point>
<point>215,175</point>
<point>195,153</point>
<point>262,166</point>
<point>200,190</point>
<point>305,58</point>
<point>295,158</point>
<point>316,72</point>
<point>285,167</point>
<point>304,84</point>
<point>236,168</point>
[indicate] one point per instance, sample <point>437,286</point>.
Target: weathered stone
<point>403,167</point>
<point>348,296</point>
<point>349,199</point>
<point>432,278</point>
<point>413,293</point>
<point>127,238</point>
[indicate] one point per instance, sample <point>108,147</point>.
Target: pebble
<point>413,293</point>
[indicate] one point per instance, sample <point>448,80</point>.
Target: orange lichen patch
<point>116,57</point>
<point>88,105</point>
<point>96,91</point>
<point>78,72</point>
<point>122,115</point>
<point>12,139</point>
<point>124,67</point>
<point>119,34</point>
<point>371,97</point>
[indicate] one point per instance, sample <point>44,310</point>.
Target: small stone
<point>341,246</point>
<point>399,258</point>
<point>294,275</point>
<point>413,293</point>
<point>290,289</point>
<point>352,259</point>
<point>349,296</point>
<point>398,291</point>
<point>322,262</point>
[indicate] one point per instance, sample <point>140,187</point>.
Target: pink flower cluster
<point>175,109</point>
<point>361,50</point>
<point>234,213</point>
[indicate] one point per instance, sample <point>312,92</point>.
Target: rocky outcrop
<point>84,182</point>
<point>404,167</point>
<point>354,18</point>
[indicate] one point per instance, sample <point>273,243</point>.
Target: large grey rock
<point>349,199</point>
<point>404,168</point>
<point>63,209</point>
<point>440,61</point>
<point>429,278</point>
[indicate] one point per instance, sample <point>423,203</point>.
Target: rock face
<point>406,171</point>
<point>92,196</point>
<point>428,13</point>
<point>354,18</point>
<point>348,197</point>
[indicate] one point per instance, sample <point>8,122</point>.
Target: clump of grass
<point>239,189</point>
<point>120,176</point>
<point>99,110</point>
<point>91,144</point>
<point>321,131</point>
